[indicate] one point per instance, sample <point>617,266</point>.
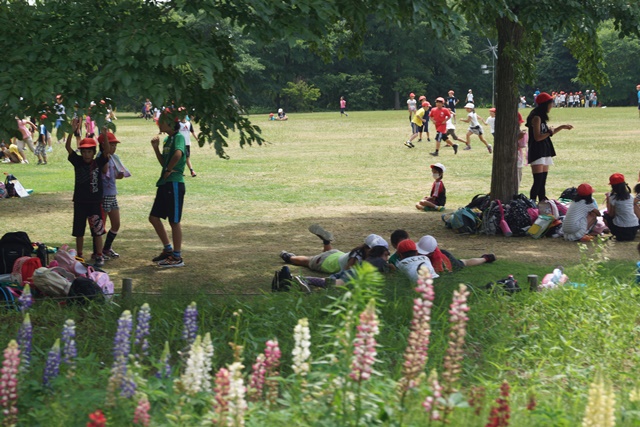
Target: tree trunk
<point>504,175</point>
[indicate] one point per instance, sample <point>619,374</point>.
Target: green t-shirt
<point>171,145</point>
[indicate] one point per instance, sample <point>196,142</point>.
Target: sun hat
<point>585,189</point>
<point>375,240</point>
<point>407,246</point>
<point>616,178</point>
<point>412,95</point>
<point>426,245</point>
<point>439,166</point>
<point>439,99</point>
<point>492,110</point>
<point>110,138</point>
<point>543,97</point>
<point>425,104</point>
<point>88,143</point>
<point>469,105</point>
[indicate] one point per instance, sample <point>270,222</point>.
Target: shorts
<point>416,128</point>
<point>91,212</point>
<point>316,262</point>
<point>40,150</point>
<point>546,161</point>
<point>28,141</point>
<point>168,202</point>
<point>452,133</point>
<point>441,137</point>
<point>476,130</point>
<point>110,203</point>
<point>456,264</point>
<point>187,150</point>
<point>58,123</point>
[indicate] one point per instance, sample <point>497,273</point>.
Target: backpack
<point>282,280</point>
<point>67,260</point>
<point>463,221</point>
<point>508,285</point>
<point>50,283</point>
<point>480,201</point>
<point>23,269</point>
<point>13,246</point>
<point>570,193</point>
<point>518,216</point>
<point>490,219</point>
<point>102,280</point>
<point>83,290</point>
<point>10,187</point>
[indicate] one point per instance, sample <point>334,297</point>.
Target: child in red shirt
<point>440,115</point>
<point>438,196</point>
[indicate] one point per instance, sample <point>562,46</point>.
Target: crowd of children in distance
<point>409,258</point>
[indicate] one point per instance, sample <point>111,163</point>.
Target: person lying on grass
<point>443,260</point>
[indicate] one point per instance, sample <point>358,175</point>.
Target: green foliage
<point>301,95</point>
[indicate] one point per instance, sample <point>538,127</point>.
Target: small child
<point>523,139</point>
<point>491,121</point>
<point>343,107</point>
<point>87,193</point>
<point>272,116</point>
<point>109,201</point>
<point>417,124</point>
<point>396,237</point>
<point>438,197</point>
<point>442,260</point>
<point>281,115</point>
<point>440,117</point>
<point>582,215</point>
<point>41,145</point>
<point>620,216</point>
<point>474,127</point>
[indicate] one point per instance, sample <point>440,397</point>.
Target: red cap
<point>439,99</point>
<point>616,178</point>
<point>425,104</point>
<point>412,95</point>
<point>43,117</point>
<point>542,98</point>
<point>422,97</point>
<point>407,246</point>
<point>585,189</point>
<point>110,138</point>
<point>492,110</point>
<point>88,143</point>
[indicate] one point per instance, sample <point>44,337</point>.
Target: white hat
<point>375,240</point>
<point>469,105</point>
<point>279,110</point>
<point>439,166</point>
<point>426,245</point>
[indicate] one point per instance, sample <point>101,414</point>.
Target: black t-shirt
<point>451,102</point>
<point>88,185</point>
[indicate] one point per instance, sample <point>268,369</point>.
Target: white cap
<point>279,110</point>
<point>439,166</point>
<point>426,245</point>
<point>375,240</point>
<point>469,105</point>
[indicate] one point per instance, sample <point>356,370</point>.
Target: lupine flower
<point>500,414</point>
<point>476,399</point>
<point>256,383</point>
<point>416,353</point>
<point>301,348</point>
<point>458,319</point>
<point>221,391</point>
<point>142,329</point>
<point>25,299</point>
<point>141,415</point>
<point>122,339</point>
<point>97,419</point>
<point>69,350</point>
<point>601,408</point>
<point>165,367</point>
<point>207,348</point>
<point>121,349</point>
<point>190,323</point>
<point>272,356</point>
<point>196,377</point>
<point>25,335</point>
<point>364,344</point>
<point>430,401</point>
<point>9,383</point>
<point>128,386</point>
<point>531,405</point>
<point>52,368</point>
<point>236,398</point>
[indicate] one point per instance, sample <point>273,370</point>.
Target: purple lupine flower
<point>9,384</point>
<point>25,299</point>
<point>190,323</point>
<point>128,386</point>
<point>122,340</point>
<point>69,350</point>
<point>165,367</point>
<point>142,330</point>
<point>25,335</point>
<point>52,368</point>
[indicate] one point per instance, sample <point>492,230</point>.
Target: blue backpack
<point>463,221</point>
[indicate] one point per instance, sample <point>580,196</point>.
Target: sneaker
<point>50,149</point>
<point>455,148</point>
<point>435,154</point>
<point>408,144</point>
<point>39,162</point>
<point>439,208</point>
<point>325,235</point>
<point>171,261</point>
<point>99,262</point>
<point>304,287</point>
<point>490,148</point>
<point>412,146</point>
<point>429,139</point>
<point>489,257</point>
<point>104,256</point>
<point>286,256</point>
<point>111,253</point>
<point>468,147</point>
<point>419,139</point>
<point>163,255</point>
<point>44,163</point>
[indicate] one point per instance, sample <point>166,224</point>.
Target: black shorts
<point>187,150</point>
<point>169,201</point>
<point>456,264</point>
<point>91,212</point>
<point>441,137</point>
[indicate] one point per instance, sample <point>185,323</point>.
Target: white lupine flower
<point>194,379</point>
<point>302,344</point>
<point>207,348</point>
<point>236,397</point>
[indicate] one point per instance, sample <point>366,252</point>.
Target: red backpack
<point>24,268</point>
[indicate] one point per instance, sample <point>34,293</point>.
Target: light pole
<point>486,69</point>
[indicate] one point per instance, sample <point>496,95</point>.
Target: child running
<point>440,117</point>
<point>417,124</point>
<point>474,127</point>
<point>343,107</point>
<point>438,197</point>
<point>412,105</point>
<point>186,129</point>
<point>41,144</point>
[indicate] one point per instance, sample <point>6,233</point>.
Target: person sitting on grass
<point>396,237</point>
<point>11,154</point>
<point>438,197</point>
<point>620,216</point>
<point>332,260</point>
<point>411,261</point>
<point>582,215</point>
<point>443,260</point>
<point>281,115</point>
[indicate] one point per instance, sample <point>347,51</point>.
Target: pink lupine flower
<point>272,356</point>
<point>256,383</point>
<point>9,383</point>
<point>416,353</point>
<point>430,401</point>
<point>364,345</point>
<point>458,319</point>
<point>221,391</point>
<point>141,415</point>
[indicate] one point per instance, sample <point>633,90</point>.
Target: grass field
<point>351,174</point>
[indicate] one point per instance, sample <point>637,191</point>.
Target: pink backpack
<point>103,280</point>
<point>67,260</point>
